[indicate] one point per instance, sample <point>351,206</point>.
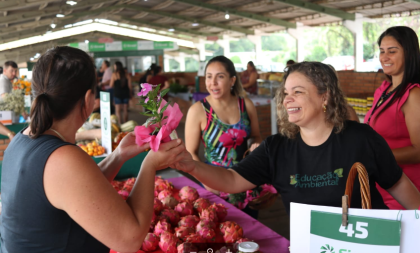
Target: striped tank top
<point>225,144</point>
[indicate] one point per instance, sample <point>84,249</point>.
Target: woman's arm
<point>411,109</point>
<point>255,126</point>
<point>193,128</point>
<point>129,85</point>
<point>351,114</point>
<point>405,193</point>
<point>111,82</point>
<point>252,80</point>
<point>166,85</point>
<point>73,183</point>
<point>5,131</point>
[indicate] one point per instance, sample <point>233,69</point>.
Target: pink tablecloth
<point>269,241</point>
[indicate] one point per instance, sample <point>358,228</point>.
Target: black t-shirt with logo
<point>317,175</point>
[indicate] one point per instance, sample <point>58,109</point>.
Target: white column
<point>225,44</point>
<point>298,35</point>
<point>181,60</point>
<point>356,28</point>
<point>201,46</point>
<point>256,39</point>
<point>166,62</point>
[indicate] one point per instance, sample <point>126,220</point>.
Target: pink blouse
<point>392,127</point>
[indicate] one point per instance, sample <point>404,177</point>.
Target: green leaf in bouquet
<point>153,94</point>
<point>146,114</point>
<point>163,93</point>
<point>164,108</point>
<point>165,117</point>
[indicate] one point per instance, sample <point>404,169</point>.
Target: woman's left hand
<point>128,147</point>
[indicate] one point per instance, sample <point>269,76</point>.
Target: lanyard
<point>384,97</point>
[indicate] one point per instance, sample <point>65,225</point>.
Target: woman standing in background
<point>121,83</point>
<point>249,79</point>
<point>395,114</point>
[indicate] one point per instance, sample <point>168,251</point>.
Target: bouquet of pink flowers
<point>163,118</point>
<point>261,196</point>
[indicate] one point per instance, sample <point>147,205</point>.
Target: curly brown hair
<point>325,79</point>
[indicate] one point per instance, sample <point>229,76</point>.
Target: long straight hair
<point>121,72</point>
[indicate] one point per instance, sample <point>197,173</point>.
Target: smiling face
<point>303,103</point>
<point>218,81</point>
<point>392,57</point>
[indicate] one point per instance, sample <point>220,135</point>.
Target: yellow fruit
<point>90,153</point>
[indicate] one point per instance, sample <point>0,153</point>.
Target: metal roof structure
<point>187,19</point>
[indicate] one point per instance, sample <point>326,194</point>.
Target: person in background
<point>5,131</point>
<point>159,78</point>
<point>106,77</point>
<point>249,79</point>
<point>1,70</point>
<point>396,105</point>
<point>6,79</point>
<point>63,201</point>
<point>224,120</point>
<point>149,73</point>
<point>309,160</point>
<point>121,83</point>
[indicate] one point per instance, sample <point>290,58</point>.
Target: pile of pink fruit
<point>184,222</point>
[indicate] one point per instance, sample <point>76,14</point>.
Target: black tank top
<point>29,223</point>
<point>121,89</point>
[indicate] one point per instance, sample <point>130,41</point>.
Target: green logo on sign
<point>327,249</point>
<point>96,47</point>
<point>105,124</point>
<point>314,181</point>
<point>129,45</point>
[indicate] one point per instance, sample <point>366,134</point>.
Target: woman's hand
<point>128,147</point>
<point>168,154</point>
<point>186,162</point>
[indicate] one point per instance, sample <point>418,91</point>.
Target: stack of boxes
<point>360,105</point>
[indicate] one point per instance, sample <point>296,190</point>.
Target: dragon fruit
<point>129,183</point>
<point>201,204</point>
<point>162,226</point>
<point>186,247</point>
<point>189,221</point>
<point>170,216</point>
<point>199,241</point>
<point>168,242</point>
<point>231,231</point>
<point>124,194</point>
<point>157,205</point>
<point>205,223</point>
<point>188,193</point>
<point>182,232</point>
<point>150,243</point>
<point>169,202</point>
<point>208,234</point>
<point>184,209</point>
<point>221,211</point>
<point>161,184</point>
<point>176,196</point>
<point>163,194</point>
<point>209,214</point>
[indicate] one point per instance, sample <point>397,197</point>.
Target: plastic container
<point>246,247</point>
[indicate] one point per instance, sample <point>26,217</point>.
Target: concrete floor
<point>274,217</point>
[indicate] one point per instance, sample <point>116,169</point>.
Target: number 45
<point>361,227</point>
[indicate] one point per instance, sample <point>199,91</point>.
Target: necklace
<point>385,96</point>
<point>64,139</point>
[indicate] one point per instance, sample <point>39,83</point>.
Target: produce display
<point>184,222</point>
<point>92,148</point>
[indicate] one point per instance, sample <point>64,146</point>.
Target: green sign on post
<point>163,44</point>
<point>96,47</point>
<point>129,45</point>
<point>106,121</point>
<point>362,234</point>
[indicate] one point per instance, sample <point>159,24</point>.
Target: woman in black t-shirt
<point>309,160</point>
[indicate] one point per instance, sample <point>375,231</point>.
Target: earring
<point>231,87</point>
<point>325,108</point>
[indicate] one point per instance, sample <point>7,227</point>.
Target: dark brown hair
<point>10,64</point>
<point>60,80</point>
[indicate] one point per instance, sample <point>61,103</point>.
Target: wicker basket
<point>364,185</point>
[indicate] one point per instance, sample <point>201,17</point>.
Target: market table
<point>269,241</point>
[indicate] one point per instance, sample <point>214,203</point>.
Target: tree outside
<point>191,64</point>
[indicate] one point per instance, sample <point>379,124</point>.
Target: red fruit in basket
<point>118,185</point>
<point>190,221</point>
<point>184,209</point>
<point>221,211</point>
<point>186,247</point>
<point>182,232</point>
<point>129,183</point>
<point>168,242</point>
<point>157,205</point>
<point>209,214</point>
<point>243,240</point>
<point>169,202</point>
<point>231,231</point>
<point>194,238</point>
<point>163,194</point>
<point>201,204</point>
<point>205,223</point>
<point>170,216</point>
<point>162,226</point>
<point>208,234</point>
<point>188,193</point>
<point>161,184</point>
<point>176,195</point>
<point>150,243</point>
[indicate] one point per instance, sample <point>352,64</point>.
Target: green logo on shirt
<point>306,181</point>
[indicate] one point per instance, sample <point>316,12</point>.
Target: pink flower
<point>233,138</point>
<point>145,89</point>
<point>268,188</point>
<point>143,134</point>
<point>173,114</point>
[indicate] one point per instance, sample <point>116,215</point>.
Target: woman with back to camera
<point>395,114</point>
<point>310,159</point>
<point>249,79</point>
<point>121,82</point>
<point>54,197</point>
<point>224,120</point>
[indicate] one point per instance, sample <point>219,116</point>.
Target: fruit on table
<point>128,126</point>
<point>150,243</point>
<point>93,148</point>
<point>188,193</point>
<point>168,242</point>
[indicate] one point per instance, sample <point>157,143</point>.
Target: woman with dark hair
<point>149,73</point>
<point>224,120</point>
<point>121,83</point>
<point>54,197</point>
<point>310,159</point>
<point>395,114</point>
<point>249,79</point>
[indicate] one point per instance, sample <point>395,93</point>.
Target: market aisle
<point>274,217</point>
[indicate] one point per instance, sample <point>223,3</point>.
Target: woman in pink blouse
<point>396,107</point>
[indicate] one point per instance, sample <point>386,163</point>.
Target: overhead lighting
<point>87,41</point>
<point>83,22</point>
<point>195,24</point>
<point>171,30</point>
<point>227,15</point>
<point>68,26</point>
<point>60,15</point>
<point>53,25</point>
<point>106,21</point>
<point>71,2</point>
<point>32,58</point>
<point>37,55</point>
